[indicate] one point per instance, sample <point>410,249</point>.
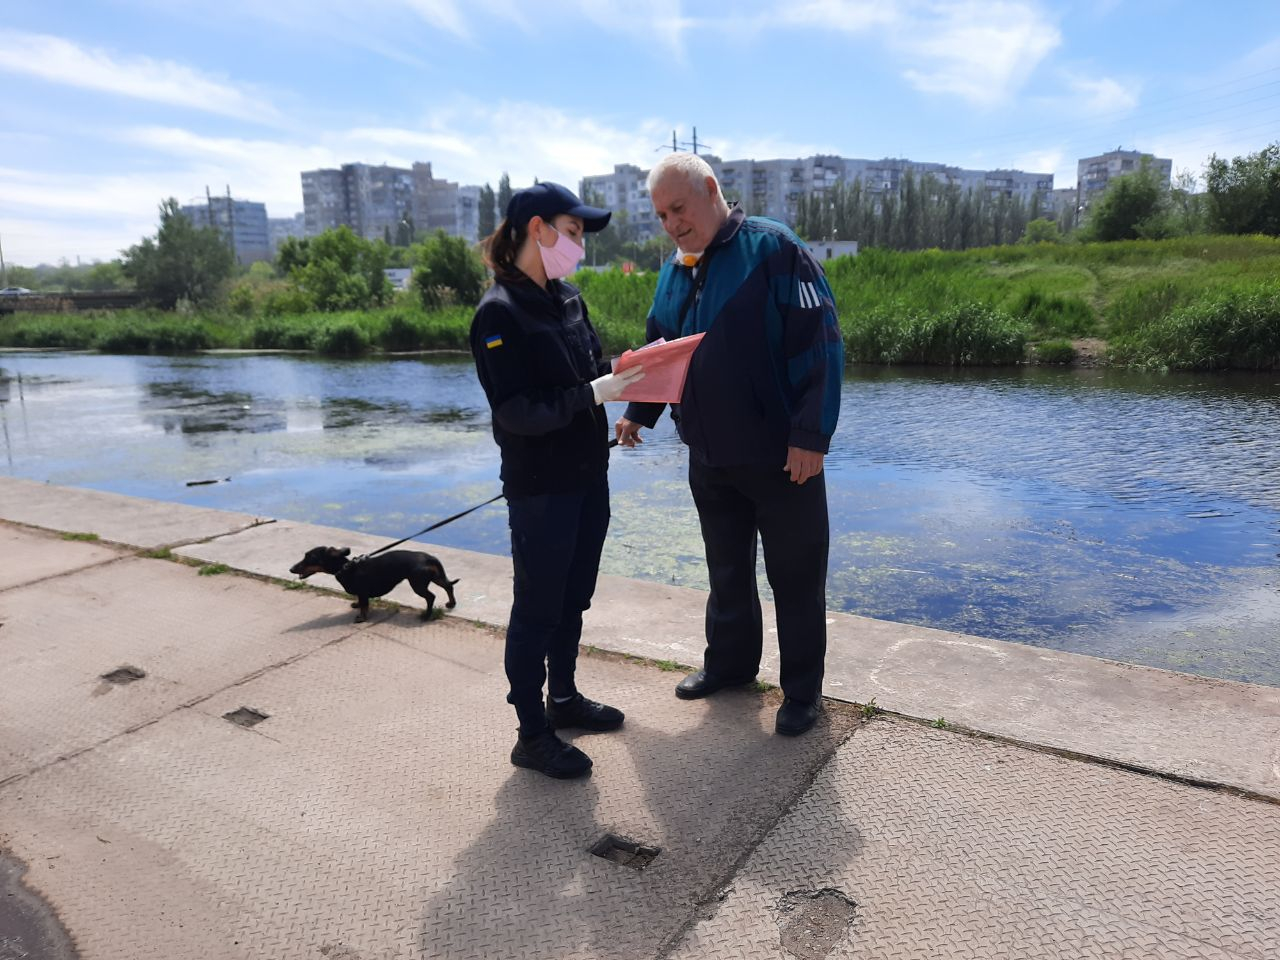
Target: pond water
<point>1110,513</point>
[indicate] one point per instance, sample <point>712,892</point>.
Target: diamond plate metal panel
<point>952,847</point>
<point>375,814</point>
<point>191,634</point>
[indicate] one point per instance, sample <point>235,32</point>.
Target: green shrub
<point>402,333</point>
<point>278,333</point>
<point>59,332</point>
<point>1053,314</point>
<point>618,305</point>
<point>161,335</point>
<point>1055,351</point>
<point>341,337</point>
<point>963,335</point>
<point>278,303</point>
<point>1222,330</point>
<point>240,300</point>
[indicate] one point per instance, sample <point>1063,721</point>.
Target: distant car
<point>14,292</point>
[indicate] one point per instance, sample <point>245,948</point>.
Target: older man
<point>758,411</point>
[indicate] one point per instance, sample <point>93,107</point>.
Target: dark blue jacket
<point>536,354</point>
<point>767,374</point>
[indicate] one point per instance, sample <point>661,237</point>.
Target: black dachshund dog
<point>366,577</point>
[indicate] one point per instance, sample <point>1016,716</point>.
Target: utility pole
<point>231,226</point>
<point>4,272</point>
<point>676,143</point>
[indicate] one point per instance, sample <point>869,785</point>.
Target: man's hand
<point>627,432</point>
<point>801,464</point>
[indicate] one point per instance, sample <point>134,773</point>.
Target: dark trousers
<point>556,541</point>
<point>734,503</point>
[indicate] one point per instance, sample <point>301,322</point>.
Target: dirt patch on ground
<point>1090,352</point>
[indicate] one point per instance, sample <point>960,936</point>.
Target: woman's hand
<point>611,385</point>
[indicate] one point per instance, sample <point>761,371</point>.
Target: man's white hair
<point>689,165</point>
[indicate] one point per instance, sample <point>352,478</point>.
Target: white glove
<point>611,385</point>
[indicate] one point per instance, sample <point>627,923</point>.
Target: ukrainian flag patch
<point>494,341</point>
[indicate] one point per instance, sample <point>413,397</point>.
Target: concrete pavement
<point>373,812</point>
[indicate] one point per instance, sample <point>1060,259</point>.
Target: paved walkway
<point>373,814</point>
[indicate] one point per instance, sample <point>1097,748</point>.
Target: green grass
<point>86,537</point>
<point>1186,303</point>
<point>1054,351</point>
<point>1234,327</point>
<point>160,553</point>
<point>213,569</point>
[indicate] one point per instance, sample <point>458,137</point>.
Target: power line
<point>1096,127</point>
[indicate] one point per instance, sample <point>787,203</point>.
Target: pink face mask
<point>563,258</point>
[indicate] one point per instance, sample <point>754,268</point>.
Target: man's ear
<point>713,187</point>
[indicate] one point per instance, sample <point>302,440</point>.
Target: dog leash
<point>438,524</point>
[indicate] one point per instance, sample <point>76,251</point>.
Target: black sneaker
<point>547,753</point>
<point>584,714</point>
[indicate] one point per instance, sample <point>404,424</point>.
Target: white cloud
<point>982,52</point>
<point>849,16</point>
<point>466,143</point>
<point>1103,96</point>
<point>1264,57</point>
<point>1053,160</point>
<point>32,242</point>
<point>439,13</point>
<point>57,60</point>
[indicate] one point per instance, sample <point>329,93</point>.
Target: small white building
<point>399,277</point>
<point>830,249</point>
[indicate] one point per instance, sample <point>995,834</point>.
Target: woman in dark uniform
<point>540,364</point>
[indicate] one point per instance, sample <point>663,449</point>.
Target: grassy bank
<point>1188,303</point>
<point>400,328</point>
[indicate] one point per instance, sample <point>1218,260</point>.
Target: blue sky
<point>108,107</point>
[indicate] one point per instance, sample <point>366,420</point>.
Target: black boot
<point>547,753</point>
<point>584,714</point>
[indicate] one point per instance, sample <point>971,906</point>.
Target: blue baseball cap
<point>547,200</point>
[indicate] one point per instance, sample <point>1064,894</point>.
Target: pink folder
<point>666,364</point>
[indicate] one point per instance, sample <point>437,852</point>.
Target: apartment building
<point>279,228</point>
<point>1093,174</point>
<point>242,222</point>
<point>774,188</point>
<point>372,200</point>
<point>324,201</point>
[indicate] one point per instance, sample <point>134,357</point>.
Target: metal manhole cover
<point>623,851</point>
<point>246,717</point>
<point>123,675</point>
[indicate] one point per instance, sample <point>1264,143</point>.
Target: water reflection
<point>1118,514</point>
<point>178,407</point>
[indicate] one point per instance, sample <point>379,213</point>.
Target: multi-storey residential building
<point>626,190</point>
<point>378,198</point>
<point>372,201</point>
<point>324,201</point>
<point>1063,203</point>
<point>774,188</point>
<point>466,212</point>
<point>242,222</point>
<point>1093,174</point>
<point>278,228</point>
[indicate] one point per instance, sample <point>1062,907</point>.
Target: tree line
<point>922,213</point>
<point>185,264</point>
